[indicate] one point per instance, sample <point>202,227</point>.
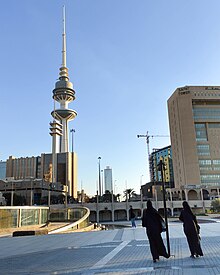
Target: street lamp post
<point>72,131</point>
<point>140,186</point>
<point>100,188</point>
<point>115,187</point>
<point>48,197</point>
<point>31,192</point>
<point>31,195</point>
<point>102,182</point>
<point>141,194</point>
<point>12,194</point>
<point>162,168</point>
<point>141,180</point>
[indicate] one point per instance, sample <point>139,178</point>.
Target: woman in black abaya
<point>152,220</point>
<point>191,230</point>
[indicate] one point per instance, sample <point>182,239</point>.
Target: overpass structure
<point>119,211</point>
<point>101,212</point>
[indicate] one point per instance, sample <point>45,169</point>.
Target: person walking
<point>191,230</point>
<point>132,216</point>
<point>152,220</point>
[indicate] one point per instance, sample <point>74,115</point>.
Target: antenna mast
<point>64,39</point>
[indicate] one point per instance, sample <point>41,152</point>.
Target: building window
<point>206,113</point>
<point>210,179</point>
<point>214,125</point>
<point>203,150</point>
<point>201,133</point>
<point>205,162</point>
<point>205,168</point>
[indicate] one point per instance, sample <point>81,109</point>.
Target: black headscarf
<point>187,208</point>
<point>149,205</point>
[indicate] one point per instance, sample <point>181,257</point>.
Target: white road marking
<point>120,271</point>
<point>109,256</point>
<point>99,246</point>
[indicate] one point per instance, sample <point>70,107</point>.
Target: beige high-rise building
<point>194,120</point>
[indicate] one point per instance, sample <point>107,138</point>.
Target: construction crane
<point>147,136</point>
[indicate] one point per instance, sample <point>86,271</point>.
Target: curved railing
<point>77,217</point>
<point>12,217</point>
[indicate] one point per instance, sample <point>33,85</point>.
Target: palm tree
<point>128,193</point>
<point>118,197</point>
<point>107,197</point>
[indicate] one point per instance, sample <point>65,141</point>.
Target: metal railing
<point>77,218</point>
<point>20,216</point>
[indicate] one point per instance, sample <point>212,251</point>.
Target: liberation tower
<point>63,94</point>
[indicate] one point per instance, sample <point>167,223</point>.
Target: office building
<point>41,168</point>
<point>194,121</point>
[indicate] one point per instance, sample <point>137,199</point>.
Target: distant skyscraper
<point>194,119</point>
<point>2,170</point>
<point>108,178</point>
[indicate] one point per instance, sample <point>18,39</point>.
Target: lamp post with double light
<point>72,131</point>
<point>162,169</point>
<point>102,182</point>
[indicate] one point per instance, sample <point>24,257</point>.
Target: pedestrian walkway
<point>118,251</point>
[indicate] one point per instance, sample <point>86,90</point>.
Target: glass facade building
<point>164,154</point>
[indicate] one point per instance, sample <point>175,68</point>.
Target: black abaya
<point>191,230</point>
<point>152,221</point>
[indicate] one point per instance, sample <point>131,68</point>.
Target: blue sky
<point>125,59</point>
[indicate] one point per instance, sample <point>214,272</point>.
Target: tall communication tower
<point>64,94</point>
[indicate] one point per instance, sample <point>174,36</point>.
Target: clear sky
<point>125,59</point>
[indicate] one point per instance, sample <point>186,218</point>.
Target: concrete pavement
<point>118,251</point>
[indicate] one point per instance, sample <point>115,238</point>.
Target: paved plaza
<point>119,251</point>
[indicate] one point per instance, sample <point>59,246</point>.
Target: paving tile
<point>119,251</point>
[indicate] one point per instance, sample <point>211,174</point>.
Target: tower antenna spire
<point>64,39</point>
